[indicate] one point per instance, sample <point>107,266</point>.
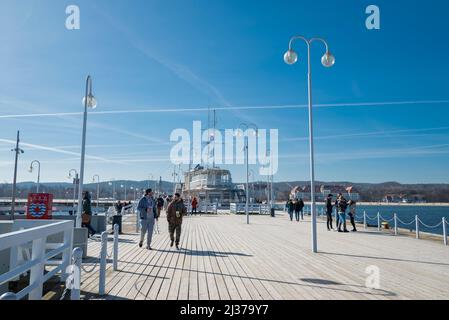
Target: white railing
<point>207,208</point>
<point>262,209</point>
<point>34,235</point>
<point>102,262</point>
<point>417,222</point>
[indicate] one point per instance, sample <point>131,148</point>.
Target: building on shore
<point>321,192</point>
<point>403,198</point>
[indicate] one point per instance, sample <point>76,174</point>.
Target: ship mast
<point>213,149</point>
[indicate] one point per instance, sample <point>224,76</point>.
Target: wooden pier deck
<point>223,258</point>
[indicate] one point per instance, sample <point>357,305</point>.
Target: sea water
<point>430,215</point>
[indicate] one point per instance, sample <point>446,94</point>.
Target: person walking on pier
<point>175,211</point>
<point>342,207</point>
<point>148,212</point>
<point>194,205</point>
<point>87,213</point>
<point>329,211</point>
<point>290,206</point>
<point>160,205</point>
<point>352,213</point>
<point>299,209</point>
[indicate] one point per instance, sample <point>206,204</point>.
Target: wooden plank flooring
<point>224,258</point>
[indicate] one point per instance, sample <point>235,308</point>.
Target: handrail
<point>417,221</point>
<point>23,236</point>
<point>37,233</point>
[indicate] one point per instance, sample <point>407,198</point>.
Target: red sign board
<point>40,206</point>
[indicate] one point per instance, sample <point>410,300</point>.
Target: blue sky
<point>161,55</point>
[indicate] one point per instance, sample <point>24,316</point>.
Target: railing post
<point>103,257</point>
<point>66,255</point>
<point>378,221</point>
<point>37,272</point>
<point>364,219</point>
<point>115,258</point>
<point>417,227</point>
<point>444,231</point>
<point>395,224</point>
<point>76,274</point>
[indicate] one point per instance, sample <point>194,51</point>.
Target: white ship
<point>211,185</point>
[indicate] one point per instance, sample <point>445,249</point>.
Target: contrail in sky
<point>56,150</point>
<point>204,109</point>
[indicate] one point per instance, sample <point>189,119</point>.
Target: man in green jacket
<point>175,211</point>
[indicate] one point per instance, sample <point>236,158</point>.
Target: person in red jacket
<point>194,205</point>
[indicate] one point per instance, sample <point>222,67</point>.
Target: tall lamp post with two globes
<point>328,60</point>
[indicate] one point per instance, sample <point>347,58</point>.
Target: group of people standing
<point>296,207</point>
<point>150,209</point>
<point>341,206</point>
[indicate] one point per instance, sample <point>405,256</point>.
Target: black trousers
<point>89,227</point>
<point>351,216</point>
<point>172,229</point>
<point>329,220</point>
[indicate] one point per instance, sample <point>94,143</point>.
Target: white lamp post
<point>327,60</point>
<point>98,187</point>
<point>124,186</point>
<point>17,151</point>
<point>252,182</point>
<point>89,102</point>
<point>75,181</point>
<point>112,183</point>
<point>135,192</point>
<point>38,173</point>
<point>246,128</point>
<point>150,177</point>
